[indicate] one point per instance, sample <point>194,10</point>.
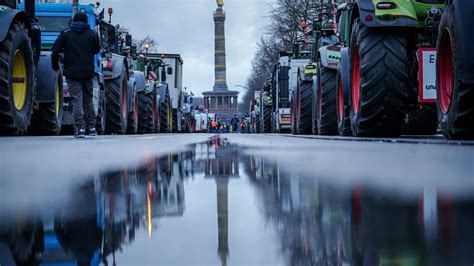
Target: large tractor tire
<point>48,119</point>
<point>166,114</point>
<point>257,124</point>
<point>101,115</point>
<point>25,240</point>
<point>116,94</point>
<point>266,119</point>
<point>175,121</point>
<point>422,121</point>
<point>144,112</point>
<point>314,108</point>
<point>17,81</point>
<point>293,115</point>
<point>157,117</point>
<point>379,88</point>
<point>151,118</point>
<point>342,103</point>
<point>326,111</point>
<point>132,124</point>
<point>455,99</point>
<point>303,125</point>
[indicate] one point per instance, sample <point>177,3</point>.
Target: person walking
<point>79,44</point>
<point>213,126</point>
<point>235,123</point>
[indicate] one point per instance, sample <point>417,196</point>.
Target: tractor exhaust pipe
<point>30,9</point>
<point>75,4</point>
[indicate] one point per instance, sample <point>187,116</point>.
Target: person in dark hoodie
<point>79,44</point>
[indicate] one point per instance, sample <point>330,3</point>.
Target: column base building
<point>222,103</point>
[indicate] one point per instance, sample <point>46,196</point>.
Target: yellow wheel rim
<point>57,95</point>
<point>20,84</point>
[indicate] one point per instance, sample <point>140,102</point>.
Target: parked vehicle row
<point>379,70</point>
<point>131,94</point>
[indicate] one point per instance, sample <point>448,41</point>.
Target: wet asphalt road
<point>236,200</point>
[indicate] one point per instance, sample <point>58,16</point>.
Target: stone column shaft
<point>220,82</point>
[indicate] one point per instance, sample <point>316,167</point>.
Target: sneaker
<point>92,132</point>
<point>81,133</point>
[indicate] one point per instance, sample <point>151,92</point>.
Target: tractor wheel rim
<point>356,80</point>
<point>19,78</point>
<point>58,98</point>
<point>340,101</point>
<point>446,71</point>
<point>124,100</point>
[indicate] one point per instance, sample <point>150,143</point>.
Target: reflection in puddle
<point>182,209</point>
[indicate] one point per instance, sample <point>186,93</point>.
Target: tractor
<point>113,92</point>
<point>157,93</point>
<point>266,108</point>
<point>455,71</point>
<point>283,88</point>
<point>388,72</point>
<point>52,19</point>
<point>119,95</point>
<point>30,91</point>
<point>316,91</point>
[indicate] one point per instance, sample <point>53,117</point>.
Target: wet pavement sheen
<point>216,204</point>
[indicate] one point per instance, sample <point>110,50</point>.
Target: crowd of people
<point>236,125</point>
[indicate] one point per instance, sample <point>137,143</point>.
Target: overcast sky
<point>187,27</point>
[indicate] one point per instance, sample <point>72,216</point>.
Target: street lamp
<point>146,46</point>
<point>242,86</point>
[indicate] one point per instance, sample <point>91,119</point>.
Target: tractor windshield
<point>53,24</point>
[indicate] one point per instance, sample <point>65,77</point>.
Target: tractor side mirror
<point>169,71</point>
<point>133,50</point>
<point>163,75</point>
<point>128,40</point>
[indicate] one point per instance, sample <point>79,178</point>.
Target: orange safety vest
<point>214,124</point>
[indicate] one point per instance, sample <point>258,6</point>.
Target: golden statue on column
<point>220,3</point>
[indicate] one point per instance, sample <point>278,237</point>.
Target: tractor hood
<point>48,39</point>
<point>415,10</point>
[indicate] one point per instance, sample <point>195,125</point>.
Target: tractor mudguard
<point>370,17</point>
<point>345,74</point>
<point>119,62</point>
<point>463,12</point>
<point>329,57</point>
<point>46,79</point>
<point>140,80</point>
<point>6,19</point>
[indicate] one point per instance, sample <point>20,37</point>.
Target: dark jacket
<point>79,44</point>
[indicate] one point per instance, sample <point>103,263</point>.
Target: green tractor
<point>316,91</point>
<point>30,91</point>
<point>389,68</point>
<point>266,108</point>
<point>327,58</point>
<point>157,93</point>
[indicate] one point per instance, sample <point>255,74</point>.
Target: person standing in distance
<point>79,44</point>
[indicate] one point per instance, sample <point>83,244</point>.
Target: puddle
<point>216,204</point>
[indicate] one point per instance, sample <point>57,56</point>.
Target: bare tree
<point>153,44</point>
<point>284,30</point>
